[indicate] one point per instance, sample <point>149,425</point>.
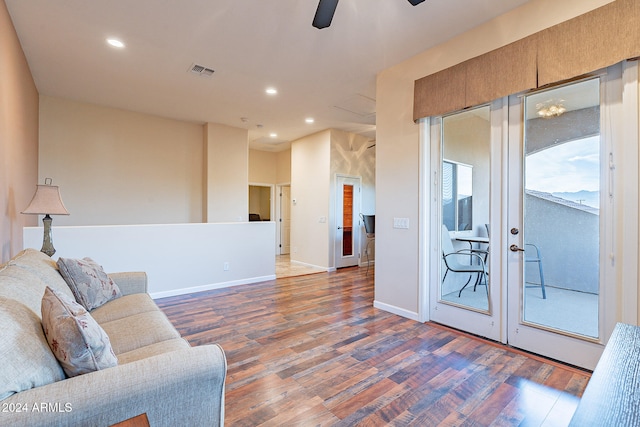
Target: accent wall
<point>18,139</point>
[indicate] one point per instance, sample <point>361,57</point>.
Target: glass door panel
<point>561,215</point>
<point>465,172</point>
<point>347,220</point>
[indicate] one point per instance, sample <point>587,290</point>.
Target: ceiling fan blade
<point>415,2</point>
<point>324,13</point>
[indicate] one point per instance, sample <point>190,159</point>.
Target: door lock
<point>514,231</point>
<point>515,248</point>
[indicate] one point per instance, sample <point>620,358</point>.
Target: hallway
<point>286,268</point>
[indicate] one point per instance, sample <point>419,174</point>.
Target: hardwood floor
<point>312,351</point>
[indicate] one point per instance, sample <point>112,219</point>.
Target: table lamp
<point>46,202</point>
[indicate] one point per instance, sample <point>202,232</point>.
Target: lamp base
<point>47,242</point>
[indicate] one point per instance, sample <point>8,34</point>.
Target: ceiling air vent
<point>201,70</point>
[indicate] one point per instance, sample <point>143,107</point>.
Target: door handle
<point>515,248</point>
<point>339,228</point>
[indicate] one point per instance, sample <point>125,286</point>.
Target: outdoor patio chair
<point>452,261</point>
<point>529,256</point>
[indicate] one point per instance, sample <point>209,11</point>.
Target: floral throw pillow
<point>91,286</point>
<point>76,339</point>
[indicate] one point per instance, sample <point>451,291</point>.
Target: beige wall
<point>283,173</point>
<point>270,168</point>
<point>120,167</point>
<point>227,174</point>
<point>397,139</point>
<point>310,188</point>
<point>263,167</point>
<point>18,139</point>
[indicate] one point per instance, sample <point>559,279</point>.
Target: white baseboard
<point>182,291</point>
<point>305,264</point>
<point>397,310</point>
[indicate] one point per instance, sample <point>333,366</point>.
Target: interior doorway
<point>347,237</point>
<point>260,202</point>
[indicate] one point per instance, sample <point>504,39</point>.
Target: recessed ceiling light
<point>115,43</point>
<point>273,135</point>
<point>271,91</point>
<point>309,120</point>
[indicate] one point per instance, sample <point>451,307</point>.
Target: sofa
<point>157,373</point>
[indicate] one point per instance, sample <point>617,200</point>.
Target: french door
<point>528,218</point>
<point>561,221</point>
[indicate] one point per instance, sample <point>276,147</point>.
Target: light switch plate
<point>401,223</point>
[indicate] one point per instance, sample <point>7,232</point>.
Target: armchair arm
<point>133,282</point>
<point>469,254</point>
<point>470,251</point>
<point>182,387</point>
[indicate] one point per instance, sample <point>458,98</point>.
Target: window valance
<point>595,40</point>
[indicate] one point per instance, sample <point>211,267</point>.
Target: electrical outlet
<point>225,266</point>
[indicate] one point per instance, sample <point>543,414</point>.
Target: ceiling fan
<point>326,9</point>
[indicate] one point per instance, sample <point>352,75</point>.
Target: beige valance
<point>589,42</point>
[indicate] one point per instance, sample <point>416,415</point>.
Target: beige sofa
<point>158,373</point>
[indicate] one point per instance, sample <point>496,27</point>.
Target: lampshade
<point>46,201</point>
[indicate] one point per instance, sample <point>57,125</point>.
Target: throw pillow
<point>91,286</point>
<point>27,360</point>
<point>76,339</point>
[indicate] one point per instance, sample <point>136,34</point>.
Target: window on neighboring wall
<point>457,196</point>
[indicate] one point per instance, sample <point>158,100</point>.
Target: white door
<point>561,223</point>
<point>465,274</point>
<point>285,219</point>
<point>348,227</point>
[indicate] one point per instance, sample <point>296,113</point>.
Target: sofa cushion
<point>21,285</point>
<point>42,266</point>
<point>139,330</point>
<point>91,286</point>
<point>27,360</point>
<point>25,277</point>
<point>125,306</point>
<point>77,341</point>
<point>152,350</point>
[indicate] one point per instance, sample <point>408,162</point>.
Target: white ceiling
<point>326,74</point>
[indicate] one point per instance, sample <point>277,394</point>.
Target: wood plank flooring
<point>312,351</point>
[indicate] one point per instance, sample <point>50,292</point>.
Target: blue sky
<point>568,167</point>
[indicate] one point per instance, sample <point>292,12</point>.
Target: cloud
<point>595,157</point>
<point>569,167</point>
